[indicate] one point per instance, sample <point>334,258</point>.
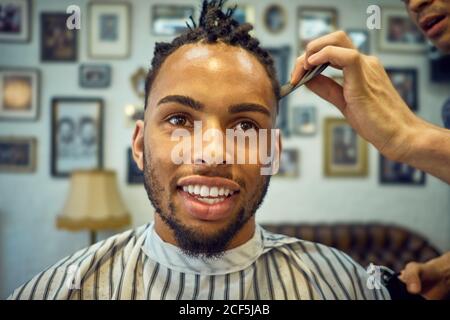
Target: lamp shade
<point>93,203</point>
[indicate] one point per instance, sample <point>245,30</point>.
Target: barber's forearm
<point>430,151</point>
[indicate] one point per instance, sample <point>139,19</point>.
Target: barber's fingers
<point>349,60</point>
<point>411,277</point>
<point>328,89</point>
<point>337,39</point>
<point>299,70</point>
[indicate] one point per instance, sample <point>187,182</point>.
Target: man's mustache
<point>433,10</point>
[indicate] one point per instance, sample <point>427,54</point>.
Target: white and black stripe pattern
<point>137,264</point>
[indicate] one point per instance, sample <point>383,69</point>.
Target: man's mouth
<point>208,198</point>
<point>433,25</point>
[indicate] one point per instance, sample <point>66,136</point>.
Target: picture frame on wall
<point>392,172</point>
<point>405,82</point>
<point>19,94</point>
<point>281,56</point>
<point>170,19</point>
<point>109,30</point>
<point>303,120</point>
<point>314,22</point>
<point>18,154</point>
<point>134,174</point>
<point>15,20</point>
<point>95,76</point>
<point>244,13</point>
<point>360,39</point>
<point>399,33</point>
<point>275,18</point>
<point>58,43</point>
<point>344,150</point>
<point>76,135</point>
<point>138,82</point>
<point>289,163</point>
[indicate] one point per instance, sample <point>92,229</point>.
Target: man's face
<point>433,19</point>
<point>205,204</point>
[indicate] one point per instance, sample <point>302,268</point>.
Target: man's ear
<point>137,144</point>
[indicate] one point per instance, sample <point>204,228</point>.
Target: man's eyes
<point>180,120</point>
<point>245,125</point>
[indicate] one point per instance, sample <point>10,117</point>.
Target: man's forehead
<point>213,68</point>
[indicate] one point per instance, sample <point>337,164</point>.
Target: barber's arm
<point>430,279</point>
<point>372,106</point>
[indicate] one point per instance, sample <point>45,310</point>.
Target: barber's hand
<point>430,279</point>
<point>367,99</point>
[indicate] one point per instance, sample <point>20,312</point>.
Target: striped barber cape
<point>138,264</point>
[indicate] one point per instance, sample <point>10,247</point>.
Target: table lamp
<point>93,204</point>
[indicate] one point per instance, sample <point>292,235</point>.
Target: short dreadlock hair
<point>214,26</point>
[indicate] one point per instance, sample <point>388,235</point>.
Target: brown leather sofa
<point>386,245</point>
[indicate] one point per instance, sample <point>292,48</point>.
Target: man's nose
<point>213,145</point>
<point>418,5</point>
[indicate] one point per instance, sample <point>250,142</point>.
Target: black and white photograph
<point>304,121</point>
<point>392,172</point>
<point>19,94</point>
<point>446,114</point>
<point>313,23</point>
<point>281,57</point>
<point>275,18</point>
<point>17,154</point>
<point>58,44</point>
<point>399,33</point>
<point>289,163</point>
<point>360,39</point>
<point>110,34</point>
<point>95,75</point>
<point>77,135</point>
<point>15,20</point>
<point>405,81</point>
<point>134,174</point>
<point>170,20</point>
<point>345,152</point>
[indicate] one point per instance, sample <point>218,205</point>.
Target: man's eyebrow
<point>184,100</point>
<point>248,107</point>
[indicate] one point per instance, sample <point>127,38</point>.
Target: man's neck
<point>241,237</point>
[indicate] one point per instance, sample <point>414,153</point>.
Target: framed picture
<point>77,135</point>
<point>57,42</point>
<point>289,162</point>
<point>345,152</point>
<point>19,94</point>
<point>399,33</point>
<point>138,82</point>
<point>275,18</point>
<point>446,114</point>
<point>170,20</point>
<point>405,81</point>
<point>360,39</point>
<point>133,112</point>
<point>244,13</point>
<point>314,23</point>
<point>109,30</point>
<point>17,154</point>
<point>134,174</point>
<point>95,75</point>
<point>392,172</point>
<point>281,57</point>
<point>304,122</point>
<point>15,20</point>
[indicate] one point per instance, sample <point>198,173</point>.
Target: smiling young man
<point>204,242</point>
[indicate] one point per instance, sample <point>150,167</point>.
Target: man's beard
<point>190,240</point>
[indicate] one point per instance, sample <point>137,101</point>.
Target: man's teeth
<point>208,194</point>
